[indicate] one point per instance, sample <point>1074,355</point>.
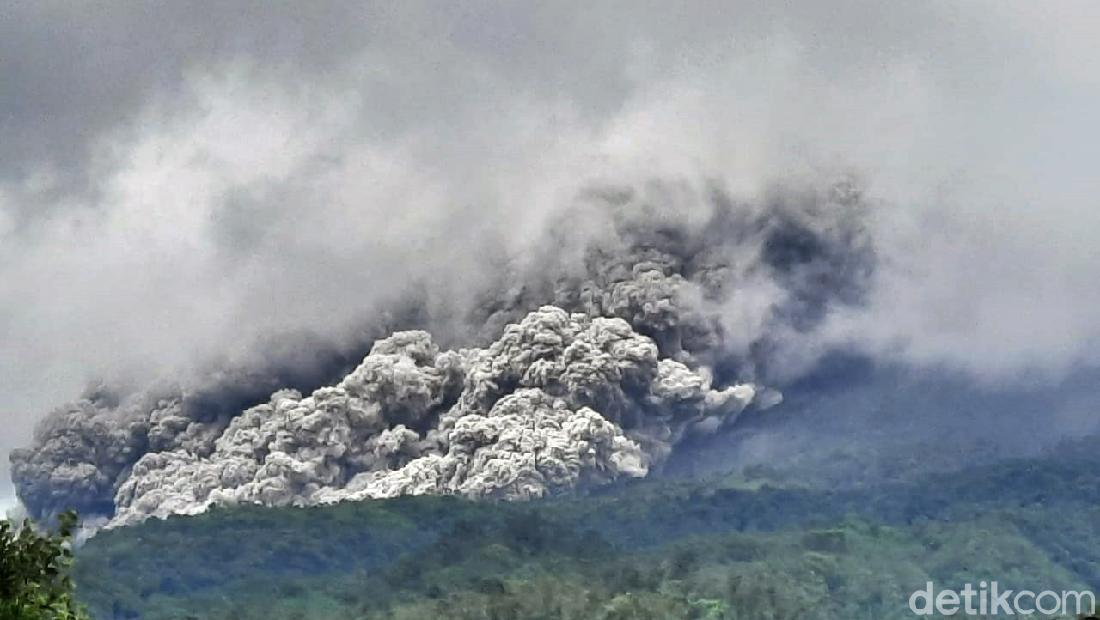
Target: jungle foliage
<point>726,549</point>
<point>34,581</point>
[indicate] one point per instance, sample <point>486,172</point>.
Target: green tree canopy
<point>34,581</point>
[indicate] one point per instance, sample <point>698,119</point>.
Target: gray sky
<point>177,179</point>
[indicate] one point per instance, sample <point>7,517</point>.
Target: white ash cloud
<point>559,402</point>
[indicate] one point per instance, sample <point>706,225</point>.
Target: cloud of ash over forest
<point>306,255</point>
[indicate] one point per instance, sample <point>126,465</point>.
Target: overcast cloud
<point>178,179</point>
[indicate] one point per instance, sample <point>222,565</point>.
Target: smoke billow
<point>639,350</point>
<point>214,217</point>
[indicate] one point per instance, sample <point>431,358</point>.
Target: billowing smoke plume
<point>644,315</point>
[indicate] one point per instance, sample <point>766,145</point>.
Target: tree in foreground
<point>34,581</point>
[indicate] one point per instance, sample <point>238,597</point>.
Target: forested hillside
<point>730,548</point>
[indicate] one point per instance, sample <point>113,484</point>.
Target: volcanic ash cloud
<point>559,401</point>
<point>642,318</point>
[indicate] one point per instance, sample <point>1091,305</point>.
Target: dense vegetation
<point>732,548</point>
<point>34,582</point>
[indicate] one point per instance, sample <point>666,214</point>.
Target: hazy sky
<point>179,178</point>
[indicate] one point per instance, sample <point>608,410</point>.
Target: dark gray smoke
<point>655,350</point>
